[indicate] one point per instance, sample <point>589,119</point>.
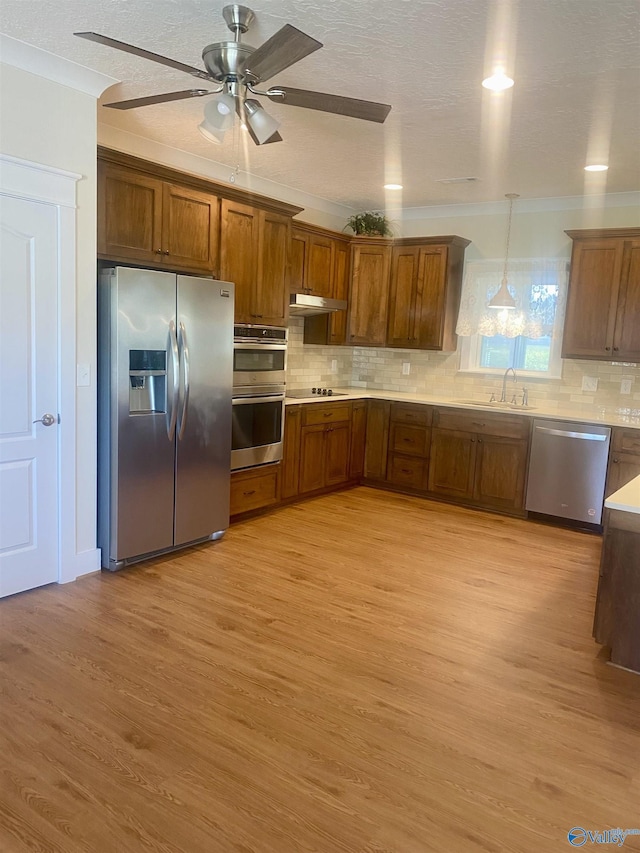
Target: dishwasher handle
<point>585,436</point>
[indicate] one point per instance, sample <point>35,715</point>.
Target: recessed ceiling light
<point>596,168</point>
<point>393,186</point>
<point>498,82</point>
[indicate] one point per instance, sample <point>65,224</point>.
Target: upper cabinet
<point>426,279</point>
<point>253,254</point>
<point>369,291</point>
<point>154,216</point>
<point>603,304</point>
<point>160,223</point>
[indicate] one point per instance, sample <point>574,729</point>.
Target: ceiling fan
<point>239,68</point>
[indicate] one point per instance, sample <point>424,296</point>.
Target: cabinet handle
<point>616,461</point>
<point>257,316</point>
<point>406,470</point>
<point>327,414</point>
<point>158,251</point>
<point>251,492</point>
<point>473,441</point>
<point>479,441</point>
<point>607,348</point>
<point>478,423</point>
<point>166,252</point>
<point>615,349</point>
<point>408,440</point>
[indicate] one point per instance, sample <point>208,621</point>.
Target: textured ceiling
<point>576,64</point>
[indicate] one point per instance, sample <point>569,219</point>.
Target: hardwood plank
<point>365,671</point>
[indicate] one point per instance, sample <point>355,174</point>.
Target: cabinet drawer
<point>484,423</point>
<point>411,414</point>
<point>626,441</point>
<point>315,413</point>
<point>412,440</point>
<point>407,471</point>
<point>254,488</point>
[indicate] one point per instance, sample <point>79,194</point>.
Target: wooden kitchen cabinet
<point>377,444</point>
<point>325,438</point>
<point>617,614</point>
<point>358,438</point>
<point>162,224</point>
<point>253,254</point>
<point>369,291</point>
<point>290,474</point>
<point>426,280</point>
<point>603,303</point>
<point>409,445</point>
<point>624,459</point>
<point>332,328</point>
<point>254,488</point>
<point>479,458</point>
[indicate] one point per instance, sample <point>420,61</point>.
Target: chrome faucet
<point>503,396</point>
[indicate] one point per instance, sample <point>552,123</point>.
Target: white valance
<point>538,285</point>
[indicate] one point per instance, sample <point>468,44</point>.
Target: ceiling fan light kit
<point>237,68</point>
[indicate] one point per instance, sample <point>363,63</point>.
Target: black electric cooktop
<point>315,392</point>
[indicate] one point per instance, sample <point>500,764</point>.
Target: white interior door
<point>28,392</point>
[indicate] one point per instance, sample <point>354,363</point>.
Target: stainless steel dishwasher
<point>567,470</point>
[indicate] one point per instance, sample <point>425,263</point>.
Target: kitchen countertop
<point>627,498</point>
<point>605,417</point>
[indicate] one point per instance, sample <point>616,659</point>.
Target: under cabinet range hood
<point>306,305</point>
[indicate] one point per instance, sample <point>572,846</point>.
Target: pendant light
<point>503,298</point>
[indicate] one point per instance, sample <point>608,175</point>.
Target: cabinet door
<point>298,259</point>
<point>431,292</point>
<point>291,452</point>
<point>238,256</point>
<point>623,467</point>
<point>338,319</point>
<point>452,463</point>
<point>500,472</point>
<point>272,282</point>
<point>312,456</point>
<point>358,439</point>
<point>401,330</point>
<point>368,297</point>
<point>375,458</point>
<point>129,215</point>
<point>190,227</point>
<point>626,341</point>
<point>319,268</point>
<point>594,282</point>
<point>337,446</point>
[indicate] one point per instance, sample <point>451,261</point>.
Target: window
<point>527,338</point>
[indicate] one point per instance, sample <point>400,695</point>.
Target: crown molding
<point>527,205</point>
<point>33,60</point>
<point>139,146</point>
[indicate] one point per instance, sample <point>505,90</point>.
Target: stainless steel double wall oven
<point>259,368</point>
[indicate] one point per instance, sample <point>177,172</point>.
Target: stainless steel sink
<point>494,404</point>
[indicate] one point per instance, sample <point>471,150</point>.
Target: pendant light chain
<point>511,197</point>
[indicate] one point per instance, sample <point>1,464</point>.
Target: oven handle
<point>244,401</point>
<point>260,345</point>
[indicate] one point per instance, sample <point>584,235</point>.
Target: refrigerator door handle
<point>184,358</point>
<point>172,414</point>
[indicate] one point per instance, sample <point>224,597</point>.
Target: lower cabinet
<point>324,446</point>
<point>409,446</point>
<point>617,616</point>
<point>481,459</point>
<point>254,488</point>
<point>358,439</point>
<point>624,459</point>
<point>377,443</point>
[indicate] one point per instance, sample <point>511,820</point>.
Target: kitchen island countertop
<point>627,498</point>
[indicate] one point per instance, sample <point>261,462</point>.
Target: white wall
<point>55,125</point>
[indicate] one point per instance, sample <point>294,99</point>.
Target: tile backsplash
<point>437,374</point>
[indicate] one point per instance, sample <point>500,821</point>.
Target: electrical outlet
<point>406,368</point>
<point>334,365</point>
<point>625,386</point>
<point>589,383</point>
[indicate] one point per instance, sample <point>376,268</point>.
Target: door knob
<point>47,420</point>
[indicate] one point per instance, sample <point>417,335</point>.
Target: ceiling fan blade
<point>132,103</point>
<point>287,46</point>
<point>368,110</point>
<point>145,54</point>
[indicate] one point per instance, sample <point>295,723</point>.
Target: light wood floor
<point>363,673</point>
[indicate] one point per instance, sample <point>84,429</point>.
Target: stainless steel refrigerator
<point>165,367</point>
